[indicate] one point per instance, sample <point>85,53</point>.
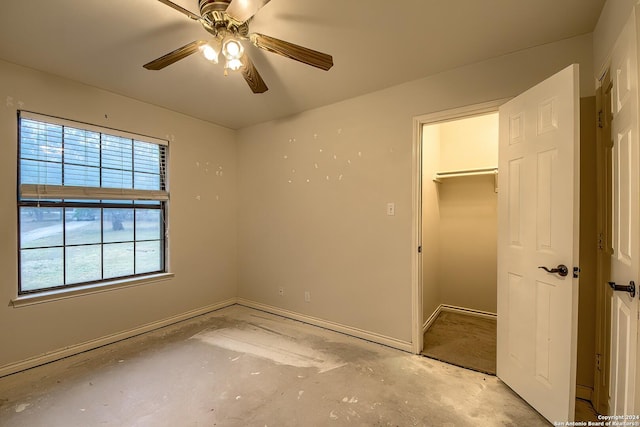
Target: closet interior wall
<point>459,215</point>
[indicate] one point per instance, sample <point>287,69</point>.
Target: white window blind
<point>62,159</point>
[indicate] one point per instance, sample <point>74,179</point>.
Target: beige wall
<point>614,15</point>
<point>469,143</point>
<point>332,237</point>
<point>202,234</point>
<point>468,243</point>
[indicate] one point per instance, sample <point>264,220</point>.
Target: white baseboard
<point>583,392</point>
<point>454,309</point>
<point>337,327</point>
<point>431,319</point>
<point>469,311</point>
<point>109,339</point>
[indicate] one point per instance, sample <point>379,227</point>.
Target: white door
<point>624,260</point>
<point>538,217</point>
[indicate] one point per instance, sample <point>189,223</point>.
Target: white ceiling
<point>374,43</point>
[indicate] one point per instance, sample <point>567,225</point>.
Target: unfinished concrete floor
<point>242,367</point>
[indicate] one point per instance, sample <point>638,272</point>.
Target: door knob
<point>631,288</point>
<point>561,269</point>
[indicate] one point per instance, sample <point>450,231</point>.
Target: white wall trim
<point>469,311</point>
<point>417,328</point>
<point>337,327</point>
<point>416,238</point>
<point>79,291</point>
<point>461,112</point>
<point>109,339</point>
<point>431,319</point>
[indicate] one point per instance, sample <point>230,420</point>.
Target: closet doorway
<point>459,240</point>
<point>430,270</point>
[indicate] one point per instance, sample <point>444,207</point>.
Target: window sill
<point>60,294</point>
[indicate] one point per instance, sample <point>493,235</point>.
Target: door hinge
<point>598,363</point>
<point>576,272</point>
<point>600,241</point>
<point>600,124</point>
<point>419,249</point>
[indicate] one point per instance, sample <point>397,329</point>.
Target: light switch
<point>391,209</point>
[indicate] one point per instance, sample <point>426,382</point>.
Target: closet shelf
<point>439,176</point>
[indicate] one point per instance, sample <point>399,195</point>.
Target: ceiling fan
<point>228,22</point>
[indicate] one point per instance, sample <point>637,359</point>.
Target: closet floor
<point>462,340</point>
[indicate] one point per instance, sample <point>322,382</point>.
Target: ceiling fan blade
<point>243,10</point>
<point>181,9</point>
<point>176,55</point>
<point>293,51</point>
<point>252,77</point>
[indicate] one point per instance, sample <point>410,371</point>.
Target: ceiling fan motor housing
<point>209,6</point>
<point>214,12</point>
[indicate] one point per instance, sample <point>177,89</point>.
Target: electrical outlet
<point>281,291</point>
<point>307,296</point>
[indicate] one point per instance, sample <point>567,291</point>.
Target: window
<point>91,204</point>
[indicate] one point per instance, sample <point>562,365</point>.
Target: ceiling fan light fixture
<point>210,53</point>
<point>232,49</point>
<point>233,64</point>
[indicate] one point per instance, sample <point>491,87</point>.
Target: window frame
<point>92,197</point>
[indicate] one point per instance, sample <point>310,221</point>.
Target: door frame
<point>416,204</point>
<point>601,371</point>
